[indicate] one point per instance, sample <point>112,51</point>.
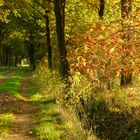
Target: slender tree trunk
<point>126,6</point>
<point>12,57</point>
<point>32,56</point>
<point>3,59</point>
<point>59,16</point>
<point>6,57</point>
<point>9,58</point>
<point>49,48</point>
<point>16,61</point>
<point>32,59</point>
<point>101,9</point>
<point>63,4</point>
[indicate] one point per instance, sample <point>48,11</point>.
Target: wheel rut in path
<point>23,122</point>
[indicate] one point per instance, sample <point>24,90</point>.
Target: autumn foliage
<point>101,53</point>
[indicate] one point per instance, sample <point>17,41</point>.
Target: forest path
<point>23,114</point>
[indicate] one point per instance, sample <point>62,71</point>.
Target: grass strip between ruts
<point>12,85</point>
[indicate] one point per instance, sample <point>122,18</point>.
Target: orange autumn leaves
<point>99,52</point>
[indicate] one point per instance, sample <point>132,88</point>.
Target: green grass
<point>44,128</point>
<point>48,124</point>
<point>12,85</point>
<point>5,73</point>
<point>5,123</point>
<point>46,131</point>
<point>55,123</point>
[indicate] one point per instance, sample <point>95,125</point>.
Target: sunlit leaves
<point>97,53</point>
<point>1,2</point>
<point>78,14</point>
<point>4,12</point>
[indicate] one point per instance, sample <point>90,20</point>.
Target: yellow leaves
<point>16,13</point>
<point>114,109</point>
<point>3,15</point>
<point>1,2</point>
<point>112,50</point>
<point>16,34</point>
<point>41,23</point>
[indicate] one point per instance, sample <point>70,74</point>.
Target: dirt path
<point>22,125</point>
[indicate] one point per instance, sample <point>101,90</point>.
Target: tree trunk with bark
<point>9,57</point>
<point>31,52</point>
<point>101,9</point>
<point>49,48</point>
<point>59,6</point>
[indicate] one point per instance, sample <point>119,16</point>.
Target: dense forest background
<point>84,53</point>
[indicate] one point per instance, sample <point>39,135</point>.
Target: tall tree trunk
<point>6,57</point>
<point>32,59</point>
<point>9,57</point>
<point>3,59</point>
<point>126,6</point>
<point>12,57</point>
<point>49,48</point>
<point>59,16</point>
<point>16,61</point>
<point>63,4</point>
<point>101,9</point>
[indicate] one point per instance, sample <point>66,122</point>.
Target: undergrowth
<point>86,109</point>
<point>54,121</point>
<point>112,118</point>
<point>112,115</point>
